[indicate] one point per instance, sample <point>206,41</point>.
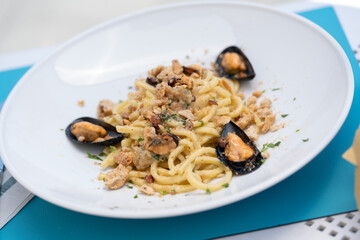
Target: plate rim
<point>190,209</point>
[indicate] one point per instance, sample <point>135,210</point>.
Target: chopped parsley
<point>168,130</point>
<point>187,105</point>
<point>262,160</point>
<point>226,185</point>
<point>102,154</point>
<point>93,156</point>
<point>202,123</point>
<point>173,191</point>
<point>130,181</point>
<point>157,157</point>
<point>120,101</point>
<point>130,87</point>
<point>184,122</point>
<point>284,115</point>
<point>104,179</point>
<point>140,139</point>
<point>266,146</point>
<point>275,89</point>
<point>187,91</point>
<point>61,129</point>
<point>112,148</point>
<point>164,117</point>
<point>136,196</point>
<point>305,140</point>
<point>174,116</point>
<point>187,57</point>
<point>131,187</point>
<point>162,192</point>
<point>297,130</point>
<point>263,91</point>
<point>294,98</point>
<point>208,191</point>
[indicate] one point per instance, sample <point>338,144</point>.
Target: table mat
<point>323,187</point>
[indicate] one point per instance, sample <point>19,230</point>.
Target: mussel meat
<point>87,130</point>
<point>236,150</point>
<point>232,63</point>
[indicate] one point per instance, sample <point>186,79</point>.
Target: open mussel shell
<point>110,131</point>
<point>248,74</point>
<point>243,167</point>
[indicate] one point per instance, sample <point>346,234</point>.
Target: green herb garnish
<point>202,123</point>
<point>284,115</point>
<point>140,139</point>
<point>305,140</point>
<point>208,191</point>
<point>226,185</point>
<point>262,160</point>
<point>168,130</point>
<point>130,87</point>
<point>297,130</point>
<point>130,181</point>
<point>174,116</point>
<point>61,129</point>
<point>162,192</point>
<point>136,196</point>
<point>266,146</point>
<point>184,122</point>
<point>93,156</point>
<point>263,91</point>
<point>104,179</point>
<point>294,98</point>
<point>275,89</point>
<point>164,117</point>
<point>102,154</point>
<point>120,101</point>
<point>131,187</point>
<point>112,148</point>
<point>157,157</point>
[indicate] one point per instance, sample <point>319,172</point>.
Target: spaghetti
<point>171,126</point>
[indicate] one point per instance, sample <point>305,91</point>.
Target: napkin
<point>13,196</point>
<point>353,156</point>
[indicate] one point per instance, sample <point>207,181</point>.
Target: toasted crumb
<point>147,190</point>
<point>257,94</point>
<point>274,128</point>
<point>242,95</point>
<point>251,100</point>
<point>252,133</point>
<point>266,103</point>
<point>81,103</point>
<point>265,154</point>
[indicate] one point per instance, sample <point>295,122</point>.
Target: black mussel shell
<point>110,130</point>
<point>249,73</point>
<point>188,70</point>
<point>243,167</point>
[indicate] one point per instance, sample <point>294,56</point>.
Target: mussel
<point>236,150</point>
<point>232,63</point>
<point>87,130</point>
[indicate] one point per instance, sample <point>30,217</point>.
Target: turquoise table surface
<point>323,187</point>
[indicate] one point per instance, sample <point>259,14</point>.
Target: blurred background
<point>28,24</point>
<point>39,23</point>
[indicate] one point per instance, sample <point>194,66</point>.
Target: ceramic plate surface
<point>288,53</point>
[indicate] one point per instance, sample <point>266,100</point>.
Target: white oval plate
<point>287,52</point>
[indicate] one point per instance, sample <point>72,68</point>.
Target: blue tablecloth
<point>323,187</point>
